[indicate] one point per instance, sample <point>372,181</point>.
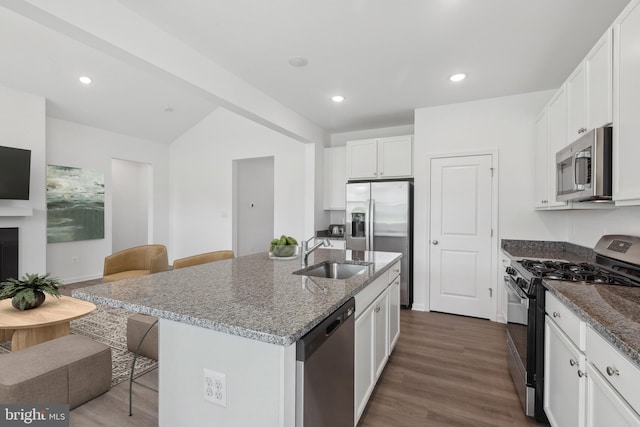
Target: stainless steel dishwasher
<point>324,372</point>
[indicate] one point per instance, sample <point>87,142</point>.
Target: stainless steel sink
<point>332,270</point>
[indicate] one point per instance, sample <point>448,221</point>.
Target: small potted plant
<point>28,292</point>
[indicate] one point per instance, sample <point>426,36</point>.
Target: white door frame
<point>495,158</point>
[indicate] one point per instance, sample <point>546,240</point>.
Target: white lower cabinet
<point>381,332</point>
<point>605,407</point>
<point>377,327</point>
<point>364,355</point>
<point>564,385</point>
<point>594,388</point>
<point>394,313</point>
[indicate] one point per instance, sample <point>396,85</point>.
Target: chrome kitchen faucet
<point>305,252</point>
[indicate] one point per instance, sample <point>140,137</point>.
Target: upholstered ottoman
<point>72,369</point>
<point>137,326</point>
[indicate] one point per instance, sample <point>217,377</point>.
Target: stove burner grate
<point>575,272</point>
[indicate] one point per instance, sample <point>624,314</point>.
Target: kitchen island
<point>239,317</point>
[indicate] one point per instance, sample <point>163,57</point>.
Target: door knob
<point>435,242</point>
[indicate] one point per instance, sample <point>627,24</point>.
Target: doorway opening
<point>253,206</point>
<point>132,213</point>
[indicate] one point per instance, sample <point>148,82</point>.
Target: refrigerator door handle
<point>372,210</point>
<point>367,226</point>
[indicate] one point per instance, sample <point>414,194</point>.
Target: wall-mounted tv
<point>15,173</point>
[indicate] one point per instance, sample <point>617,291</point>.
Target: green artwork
<point>75,204</point>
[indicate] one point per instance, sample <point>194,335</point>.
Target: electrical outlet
<point>215,387</point>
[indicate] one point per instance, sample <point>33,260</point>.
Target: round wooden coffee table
<point>50,320</point>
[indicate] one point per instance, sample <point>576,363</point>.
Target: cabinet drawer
<point>394,271</point>
<point>566,320</point>
<point>365,297</point>
<point>620,372</point>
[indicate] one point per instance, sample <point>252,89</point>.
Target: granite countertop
<point>250,296</point>
<point>614,311</point>
<point>538,249</point>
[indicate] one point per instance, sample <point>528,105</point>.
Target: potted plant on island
<point>29,291</point>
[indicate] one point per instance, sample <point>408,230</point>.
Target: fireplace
<point>8,253</point>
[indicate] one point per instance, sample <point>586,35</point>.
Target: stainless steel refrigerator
<point>379,217</point>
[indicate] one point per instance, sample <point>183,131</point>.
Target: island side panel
<point>260,378</point>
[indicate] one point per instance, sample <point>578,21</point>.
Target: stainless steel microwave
<point>583,168</point>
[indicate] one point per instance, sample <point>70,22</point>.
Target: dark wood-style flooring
<point>446,370</point>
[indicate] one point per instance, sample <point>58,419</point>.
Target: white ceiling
<point>386,57</point>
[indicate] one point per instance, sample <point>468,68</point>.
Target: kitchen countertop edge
<point>227,326</point>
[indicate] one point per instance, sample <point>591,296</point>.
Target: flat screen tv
<point>15,172</point>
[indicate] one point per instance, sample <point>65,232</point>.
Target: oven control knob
<point>521,282</point>
<point>510,271</point>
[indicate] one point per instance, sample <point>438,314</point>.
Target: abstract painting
<point>75,204</point>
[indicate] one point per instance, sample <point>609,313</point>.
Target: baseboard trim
<point>69,280</point>
<point>419,307</point>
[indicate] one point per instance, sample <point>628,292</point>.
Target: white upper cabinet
<point>626,129</point>
<point>395,157</point>
<point>335,178</point>
<point>541,161</point>
<point>590,90</point>
<point>599,67</point>
<point>362,159</point>
<point>550,137</point>
<point>577,103</point>
<point>380,158</point>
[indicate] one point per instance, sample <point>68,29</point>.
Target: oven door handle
<point>509,283</point>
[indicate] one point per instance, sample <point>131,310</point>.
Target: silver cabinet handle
<point>581,374</point>
<point>612,371</point>
<point>435,242</point>
<point>556,314</point>
<point>572,362</point>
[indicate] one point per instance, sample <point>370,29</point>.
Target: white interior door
<point>253,205</point>
<point>460,231</point>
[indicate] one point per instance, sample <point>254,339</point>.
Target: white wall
<point>22,125</point>
<point>586,227</point>
<point>131,183</point>
<point>201,181</point>
<point>505,124</point>
<point>340,139</point>
<point>72,144</point>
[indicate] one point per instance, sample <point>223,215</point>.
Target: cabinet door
<point>605,407</point>
<point>541,160</point>
<point>381,332</point>
<point>557,140</point>
<point>395,157</point>
<point>362,159</point>
<point>335,178</point>
<point>577,103</point>
<point>564,390</point>
<point>599,80</point>
<point>394,313</point>
<point>364,379</point>
<point>626,132</point>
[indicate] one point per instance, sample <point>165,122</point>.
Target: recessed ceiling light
<point>457,77</point>
<point>168,109</point>
<point>298,61</point>
<point>85,80</point>
<point>337,98</point>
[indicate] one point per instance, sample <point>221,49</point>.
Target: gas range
<point>617,262</point>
